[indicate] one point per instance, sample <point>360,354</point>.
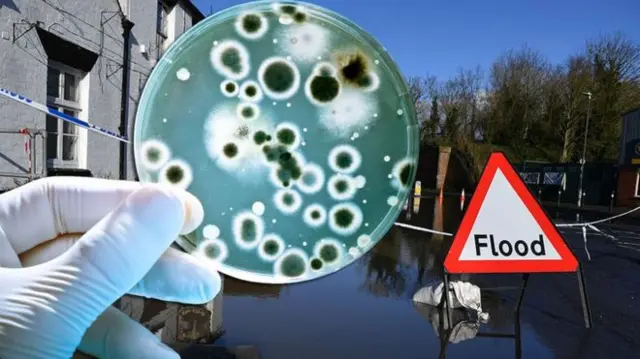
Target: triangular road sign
<point>505,230</point>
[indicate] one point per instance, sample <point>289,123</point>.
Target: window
<point>162,28</point>
<point>63,95</point>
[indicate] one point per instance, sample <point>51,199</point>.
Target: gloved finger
<point>118,252</point>
<point>175,277</point>
<point>116,336</point>
<point>179,277</point>
<point>43,209</point>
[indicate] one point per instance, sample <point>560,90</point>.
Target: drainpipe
<point>127,25</point>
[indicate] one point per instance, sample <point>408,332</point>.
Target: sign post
<point>506,230</point>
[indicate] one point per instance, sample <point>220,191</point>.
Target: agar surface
<point>296,123</point>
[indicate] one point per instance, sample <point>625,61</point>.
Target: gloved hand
<point>71,246</point>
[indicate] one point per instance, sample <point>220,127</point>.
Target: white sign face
<point>505,229</point>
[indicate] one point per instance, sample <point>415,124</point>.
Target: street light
<point>584,149</point>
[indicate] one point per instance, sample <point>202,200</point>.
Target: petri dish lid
<point>294,128</point>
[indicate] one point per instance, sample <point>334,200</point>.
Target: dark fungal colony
<point>230,87</point>
<point>230,58</point>
<point>271,247</point>
<point>212,250</point>
<point>248,230</point>
<point>230,150</point>
<point>288,168</point>
<point>251,23</point>
<point>286,136</point>
<point>405,174</point>
<point>354,69</point>
<point>343,217</point>
<point>288,9</point>
<point>293,265</point>
<point>261,137</point>
<point>324,88</point>
<point>153,155</point>
<point>315,214</point>
<point>344,160</point>
<point>251,91</point>
<point>288,199</point>
<point>299,17</point>
<point>316,264</point>
<point>329,252</point>
<point>278,77</point>
<point>247,112</point>
<point>175,174</point>
<point>341,186</point>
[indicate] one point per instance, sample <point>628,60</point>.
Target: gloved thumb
<point>120,249</point>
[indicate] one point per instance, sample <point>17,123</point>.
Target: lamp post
<point>584,149</point>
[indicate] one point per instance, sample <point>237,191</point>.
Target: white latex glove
<point>56,290</point>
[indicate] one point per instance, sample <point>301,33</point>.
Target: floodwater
<point>366,310</point>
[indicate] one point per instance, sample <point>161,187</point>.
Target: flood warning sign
<point>505,230</point>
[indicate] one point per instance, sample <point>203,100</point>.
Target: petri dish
<point>294,128</point>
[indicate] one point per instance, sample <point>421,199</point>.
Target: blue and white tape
<point>61,115</point>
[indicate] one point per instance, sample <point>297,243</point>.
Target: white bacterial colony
<point>258,208</point>
<point>360,181</point>
<point>350,111</point>
<point>159,150</point>
<point>304,42</point>
<point>211,231</point>
<point>287,201</point>
<point>392,201</point>
<point>364,241</point>
<point>247,221</point>
<point>183,74</point>
<point>221,50</point>
<point>225,127</point>
<point>314,215</point>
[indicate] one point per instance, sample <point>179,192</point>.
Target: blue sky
<point>438,37</point>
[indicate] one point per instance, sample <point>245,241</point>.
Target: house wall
<point>95,26</point>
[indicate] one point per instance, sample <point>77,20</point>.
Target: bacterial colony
<point>270,112</point>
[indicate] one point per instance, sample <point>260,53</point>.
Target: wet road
<point>366,311</point>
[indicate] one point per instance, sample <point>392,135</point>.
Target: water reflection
<point>365,310</point>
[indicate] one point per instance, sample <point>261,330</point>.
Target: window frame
<point>61,104</point>
<point>162,27</point>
